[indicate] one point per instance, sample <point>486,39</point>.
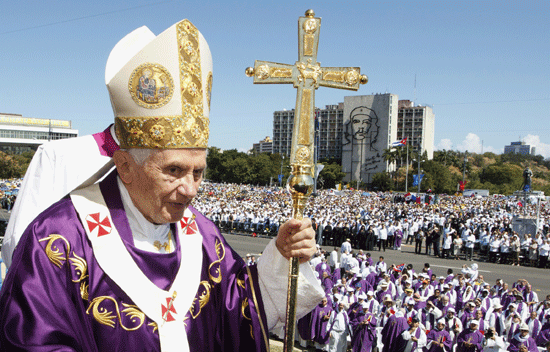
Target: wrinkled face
<point>164,186</point>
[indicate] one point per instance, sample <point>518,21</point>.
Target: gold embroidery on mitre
<point>188,130</point>
<point>106,317</point>
<point>151,86</point>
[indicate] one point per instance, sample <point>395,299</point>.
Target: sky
<point>484,66</point>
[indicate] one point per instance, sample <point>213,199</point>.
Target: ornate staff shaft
<point>306,75</point>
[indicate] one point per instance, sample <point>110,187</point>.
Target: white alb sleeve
<point>273,279</point>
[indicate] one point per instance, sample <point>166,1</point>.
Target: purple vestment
<point>468,336</point>
<point>391,333</point>
<point>517,342</point>
<point>439,336</point>
<point>319,320</point>
<point>57,297</point>
<point>364,334</point>
<point>543,337</point>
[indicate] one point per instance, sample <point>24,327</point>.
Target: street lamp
<point>281,173</point>
<point>464,170</point>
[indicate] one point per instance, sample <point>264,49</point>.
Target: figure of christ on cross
<point>306,75</point>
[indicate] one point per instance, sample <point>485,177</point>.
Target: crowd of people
<point>370,304</point>
<point>454,227</point>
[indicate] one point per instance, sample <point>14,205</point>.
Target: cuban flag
<point>400,143</point>
<point>399,268</point>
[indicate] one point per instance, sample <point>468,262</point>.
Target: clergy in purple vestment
<point>398,234</point>
<point>543,337</point>
<point>439,339</point>
<point>522,342</point>
<point>326,282</point>
<point>364,331</point>
<point>128,263</point>
<point>304,327</point>
<point>391,333</point>
<point>468,313</point>
<point>323,268</point>
<point>469,340</point>
<point>319,320</point>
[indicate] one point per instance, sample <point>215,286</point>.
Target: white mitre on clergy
<point>160,88</point>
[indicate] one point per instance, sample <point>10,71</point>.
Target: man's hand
<point>296,239</point>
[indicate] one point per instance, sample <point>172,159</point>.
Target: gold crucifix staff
<point>306,75</point>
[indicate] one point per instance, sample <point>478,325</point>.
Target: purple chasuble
<point>57,295</point>
<point>364,335</point>
<point>473,337</point>
<point>319,321</point>
<point>517,342</point>
<point>391,334</point>
<point>439,336</point>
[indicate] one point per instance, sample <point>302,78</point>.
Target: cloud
<point>541,148</point>
<point>474,144</point>
<point>444,144</point>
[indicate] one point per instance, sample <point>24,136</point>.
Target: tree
<point>438,178</point>
<point>381,181</point>
<point>331,175</point>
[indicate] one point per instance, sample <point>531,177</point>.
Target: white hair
<point>139,154</point>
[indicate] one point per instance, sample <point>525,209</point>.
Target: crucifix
<point>306,75</point>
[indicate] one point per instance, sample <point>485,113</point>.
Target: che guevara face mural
<point>362,128</point>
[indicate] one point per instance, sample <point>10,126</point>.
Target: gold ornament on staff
<point>306,75</point>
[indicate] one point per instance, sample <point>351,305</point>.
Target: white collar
<point>144,232</point>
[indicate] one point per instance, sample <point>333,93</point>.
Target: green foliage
<point>437,177</point>
<point>14,166</point>
<point>500,174</point>
<point>381,181</point>
<point>330,176</point>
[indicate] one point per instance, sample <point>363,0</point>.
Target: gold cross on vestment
<point>306,75</point>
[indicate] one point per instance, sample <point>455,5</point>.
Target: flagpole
<point>407,174</point>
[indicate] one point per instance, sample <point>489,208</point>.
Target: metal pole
<point>407,174</point>
<point>360,166</point>
<point>418,174</point>
<point>281,180</point>
<point>464,171</point>
<point>315,154</point>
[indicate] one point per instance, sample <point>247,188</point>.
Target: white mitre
<point>160,88</point>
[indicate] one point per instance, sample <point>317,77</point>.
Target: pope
<point>128,263</point>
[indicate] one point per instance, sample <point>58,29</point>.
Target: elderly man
<point>128,264</point>
<point>470,339</point>
<point>522,342</point>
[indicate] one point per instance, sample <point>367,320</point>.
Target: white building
<point>264,146</point>
<point>20,134</point>
<point>370,126</point>
<point>417,124</point>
